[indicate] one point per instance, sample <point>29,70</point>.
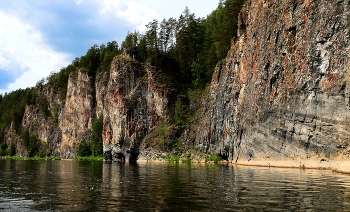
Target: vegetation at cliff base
<point>94,146</point>
<point>212,158</point>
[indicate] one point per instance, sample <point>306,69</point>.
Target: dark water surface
<point>101,186</point>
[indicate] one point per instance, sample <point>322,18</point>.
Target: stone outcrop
<point>11,137</point>
<point>44,129</point>
<point>101,91</point>
<point>281,94</point>
<point>283,91</point>
<point>77,114</point>
<point>135,103</point>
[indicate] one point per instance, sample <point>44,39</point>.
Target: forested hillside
<point>184,49</point>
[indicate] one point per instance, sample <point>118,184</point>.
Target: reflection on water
<point>101,186</point>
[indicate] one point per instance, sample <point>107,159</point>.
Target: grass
<point>186,160</point>
<point>213,158</point>
<point>89,158</point>
<point>173,158</point>
<point>16,157</point>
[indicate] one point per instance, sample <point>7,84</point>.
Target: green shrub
<point>89,158</point>
<point>41,154</point>
<point>213,158</point>
<point>11,150</point>
<point>174,158</point>
<point>186,160</point>
<point>96,137</point>
<point>84,148</point>
<point>3,147</point>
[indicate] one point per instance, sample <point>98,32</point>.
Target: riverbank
<point>341,166</point>
<point>335,166</point>
<point>89,158</point>
<point>28,158</point>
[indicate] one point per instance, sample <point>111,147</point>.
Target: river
<point>101,186</point>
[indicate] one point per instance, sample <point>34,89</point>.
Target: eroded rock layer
<point>283,90</point>
<point>133,106</point>
<point>44,128</point>
<point>76,121</point>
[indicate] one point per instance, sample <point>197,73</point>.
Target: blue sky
<point>38,37</point>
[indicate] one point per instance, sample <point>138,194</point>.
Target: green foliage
<point>173,158</point>
<point>54,115</point>
<point>108,53</point>
<point>195,44</point>
<point>34,146</point>
<point>161,129</point>
<point>43,104</point>
<point>11,151</point>
<point>186,160</point>
<point>41,154</point>
<point>89,158</point>
<point>178,111</point>
<point>16,157</point>
<point>25,137</point>
<point>84,148</point>
<point>212,158</point>
<point>3,149</point>
<point>96,137</point>
<point>12,108</point>
<point>185,50</point>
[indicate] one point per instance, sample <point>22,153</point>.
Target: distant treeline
<point>186,48</point>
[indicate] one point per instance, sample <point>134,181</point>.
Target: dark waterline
<point>101,186</point>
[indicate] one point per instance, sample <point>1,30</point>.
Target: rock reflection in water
<point>101,186</point>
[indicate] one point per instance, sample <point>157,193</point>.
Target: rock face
<point>101,91</point>
<point>43,128</point>
<point>283,90</point>
<point>12,138</point>
<point>77,114</point>
<point>134,105</point>
<point>282,93</point>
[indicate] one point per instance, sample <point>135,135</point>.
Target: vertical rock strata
<point>133,106</point>
<point>77,114</point>
<point>283,90</point>
<point>282,93</point>
<point>43,128</point>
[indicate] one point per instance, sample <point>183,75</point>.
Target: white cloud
<point>79,2</point>
<point>4,64</point>
<point>132,12</point>
<point>24,54</point>
<point>29,35</point>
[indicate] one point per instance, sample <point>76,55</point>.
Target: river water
<point>102,186</point>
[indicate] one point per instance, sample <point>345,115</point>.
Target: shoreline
<point>335,166</point>
<point>342,166</point>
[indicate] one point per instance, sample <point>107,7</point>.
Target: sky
<point>38,37</point>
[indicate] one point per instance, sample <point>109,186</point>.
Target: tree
<point>152,40</point>
<point>3,147</point>
<point>130,43</point>
<point>91,61</point>
<point>84,148</point>
<point>189,39</point>
<point>96,137</point>
<point>33,145</point>
<point>108,53</point>
<point>11,149</point>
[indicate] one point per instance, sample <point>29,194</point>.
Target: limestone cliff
<point>134,104</point>
<point>77,114</point>
<point>282,93</point>
<point>283,90</point>
<point>44,129</point>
